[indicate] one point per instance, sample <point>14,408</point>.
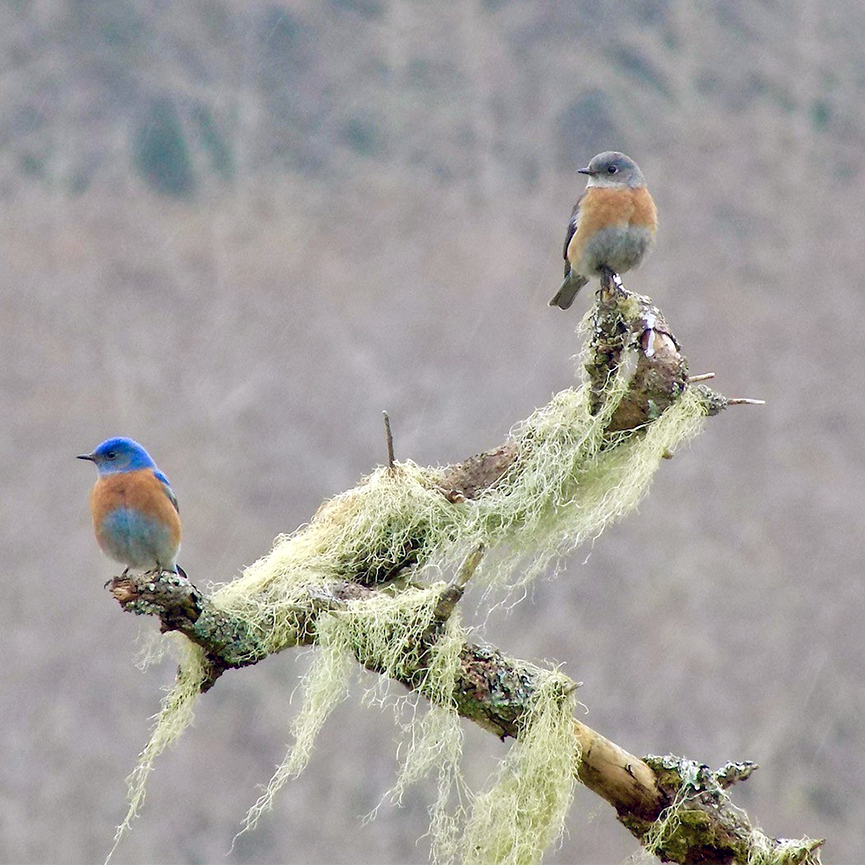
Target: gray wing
<point>572,227</point>
<point>572,283</point>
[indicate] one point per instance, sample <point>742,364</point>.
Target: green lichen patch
<point>702,824</point>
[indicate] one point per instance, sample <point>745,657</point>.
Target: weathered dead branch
<point>676,808</point>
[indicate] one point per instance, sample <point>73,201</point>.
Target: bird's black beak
<point>586,170</point>
<point>85,457</point>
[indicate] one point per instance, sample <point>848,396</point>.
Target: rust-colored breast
<point>604,207</point>
<point>140,490</point>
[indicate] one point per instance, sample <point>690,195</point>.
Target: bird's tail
<point>571,284</point>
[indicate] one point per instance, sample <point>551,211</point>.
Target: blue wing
<point>167,487</point>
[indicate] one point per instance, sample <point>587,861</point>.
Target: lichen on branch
<point>366,581</point>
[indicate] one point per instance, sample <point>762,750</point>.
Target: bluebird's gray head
<point>119,454</point>
<point>612,168</point>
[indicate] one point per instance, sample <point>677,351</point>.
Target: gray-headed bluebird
<point>613,224</point>
<point>134,509</point>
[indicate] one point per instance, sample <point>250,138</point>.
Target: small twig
<point>715,402</point>
<point>452,593</point>
<point>389,436</point>
<point>732,773</point>
<point>468,567</point>
<point>702,377</point>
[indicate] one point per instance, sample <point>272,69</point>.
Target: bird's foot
<point>114,580</point>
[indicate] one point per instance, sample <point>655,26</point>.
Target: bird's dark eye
<point>110,455</point>
<point>612,169</point>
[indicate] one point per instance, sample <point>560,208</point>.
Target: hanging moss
<point>571,479</point>
<point>524,811</point>
<point>175,715</point>
<point>384,631</point>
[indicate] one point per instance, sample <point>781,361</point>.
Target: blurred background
<point>238,232</point>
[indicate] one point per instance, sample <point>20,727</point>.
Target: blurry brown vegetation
<point>237,232</point>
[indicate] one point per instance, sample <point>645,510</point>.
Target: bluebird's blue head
<point>119,454</point>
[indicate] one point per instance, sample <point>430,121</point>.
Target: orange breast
<point>140,490</point>
<point>602,208</point>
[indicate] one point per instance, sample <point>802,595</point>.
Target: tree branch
<point>676,808</point>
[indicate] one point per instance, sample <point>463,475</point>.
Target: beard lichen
<point>524,811</point>
<point>570,480</point>
<point>764,850</point>
<point>385,633</point>
<point>175,715</point>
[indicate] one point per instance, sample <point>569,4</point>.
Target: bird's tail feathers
<point>564,297</point>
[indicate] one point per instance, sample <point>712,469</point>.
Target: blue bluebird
<point>134,509</point>
<point>613,224</point>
